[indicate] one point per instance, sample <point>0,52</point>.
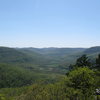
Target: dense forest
<point>50,73</point>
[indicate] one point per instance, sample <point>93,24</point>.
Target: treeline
<point>81,83</point>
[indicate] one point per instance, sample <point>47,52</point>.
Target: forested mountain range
<point>54,60</point>
<point>45,56</point>
<point>26,66</point>
<point>58,56</point>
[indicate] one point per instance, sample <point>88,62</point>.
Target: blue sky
<point>49,23</point>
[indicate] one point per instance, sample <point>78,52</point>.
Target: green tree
<point>82,82</point>
<point>83,61</point>
<point>98,62</point>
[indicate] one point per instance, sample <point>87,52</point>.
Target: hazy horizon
<point>47,47</point>
<point>50,23</point>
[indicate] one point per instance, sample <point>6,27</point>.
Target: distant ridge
<point>91,50</point>
<point>11,55</point>
<point>48,56</point>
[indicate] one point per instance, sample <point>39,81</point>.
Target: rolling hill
<point>27,65</point>
<point>10,55</point>
<point>45,57</point>
<point>92,50</point>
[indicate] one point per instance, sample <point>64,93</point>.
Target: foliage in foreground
<point>79,84</point>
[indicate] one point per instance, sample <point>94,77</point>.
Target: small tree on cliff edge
<point>98,62</point>
<point>83,61</point>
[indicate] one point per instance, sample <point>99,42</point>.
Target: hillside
<point>19,68</point>
<point>17,76</point>
<point>37,58</point>
<point>26,66</point>
<point>13,55</point>
<point>45,57</point>
<point>92,50</point>
<point>55,51</point>
<point>10,55</point>
<point>58,59</point>
<point>55,56</point>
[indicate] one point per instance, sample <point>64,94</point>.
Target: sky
<point>49,23</point>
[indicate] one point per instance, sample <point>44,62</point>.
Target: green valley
<point>48,73</point>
